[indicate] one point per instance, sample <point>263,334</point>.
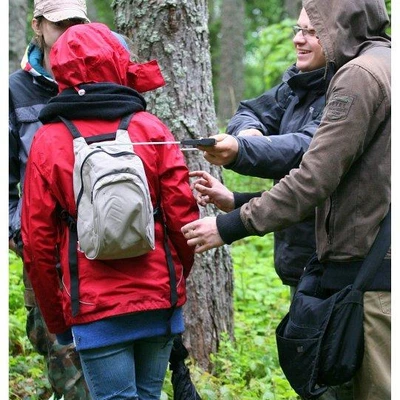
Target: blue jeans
<point>133,370</point>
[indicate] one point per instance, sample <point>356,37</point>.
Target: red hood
<point>90,53</point>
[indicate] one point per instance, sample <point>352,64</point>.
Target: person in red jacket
<point>126,323</point>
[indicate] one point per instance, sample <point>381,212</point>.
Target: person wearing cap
<point>130,309</point>
<point>30,88</point>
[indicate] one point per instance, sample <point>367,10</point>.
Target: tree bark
<point>176,34</point>
<point>92,11</point>
<point>16,33</point>
<point>231,59</point>
<point>293,8</point>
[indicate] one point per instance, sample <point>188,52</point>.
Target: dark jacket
<point>346,171</point>
<point>288,115</point>
<point>29,90</point>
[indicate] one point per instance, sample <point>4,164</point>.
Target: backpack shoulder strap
<point>71,127</point>
<point>73,260</point>
<point>170,262</point>
<point>125,121</point>
<point>123,125</point>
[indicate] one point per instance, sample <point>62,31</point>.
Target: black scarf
<point>106,101</point>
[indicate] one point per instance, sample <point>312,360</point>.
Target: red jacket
<point>107,288</point>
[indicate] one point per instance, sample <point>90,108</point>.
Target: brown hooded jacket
<point>345,174</point>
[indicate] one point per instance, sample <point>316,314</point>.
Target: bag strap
<point>125,121</point>
<point>73,260</point>
<point>172,277</point>
<point>171,270</point>
<point>71,127</point>
<point>375,256</point>
<point>123,125</point>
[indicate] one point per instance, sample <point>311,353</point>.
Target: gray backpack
<point>115,213</point>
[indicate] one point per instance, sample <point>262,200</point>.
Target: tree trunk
<point>17,33</point>
<point>92,11</point>
<point>293,8</point>
<point>231,59</point>
<point>176,34</point>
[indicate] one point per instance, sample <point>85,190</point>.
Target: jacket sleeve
<point>272,157</point>
<point>39,234</point>
<point>340,140</point>
<point>177,201</point>
<point>243,198</point>
<point>263,113</point>
<point>276,153</point>
<point>14,177</point>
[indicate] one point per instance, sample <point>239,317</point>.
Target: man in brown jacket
<point>345,175</point>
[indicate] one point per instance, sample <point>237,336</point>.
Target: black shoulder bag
<point>321,340</point>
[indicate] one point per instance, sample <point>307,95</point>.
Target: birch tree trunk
<point>176,34</point>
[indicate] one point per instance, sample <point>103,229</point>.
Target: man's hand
<point>203,234</point>
<point>212,191</point>
<point>224,152</point>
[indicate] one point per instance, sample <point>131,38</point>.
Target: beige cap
<point>60,10</point>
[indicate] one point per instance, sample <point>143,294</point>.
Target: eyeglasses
<point>304,31</point>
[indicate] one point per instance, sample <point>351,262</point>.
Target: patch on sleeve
<point>338,108</point>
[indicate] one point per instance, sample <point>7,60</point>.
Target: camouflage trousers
<point>63,365</point>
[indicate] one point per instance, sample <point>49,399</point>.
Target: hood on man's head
<point>346,28</point>
<point>60,10</point>
<point>92,53</point>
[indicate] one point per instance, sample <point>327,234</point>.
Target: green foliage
<point>242,183</point>
<point>27,379</point>
<point>102,12</point>
<point>259,14</point>
<point>248,368</point>
<point>389,10</point>
<point>266,63</point>
<point>16,308</point>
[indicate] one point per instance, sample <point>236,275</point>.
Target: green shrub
<point>268,61</point>
<point>27,379</point>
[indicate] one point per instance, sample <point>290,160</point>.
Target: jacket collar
<point>303,83</point>
<point>32,63</point>
<point>106,101</point>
